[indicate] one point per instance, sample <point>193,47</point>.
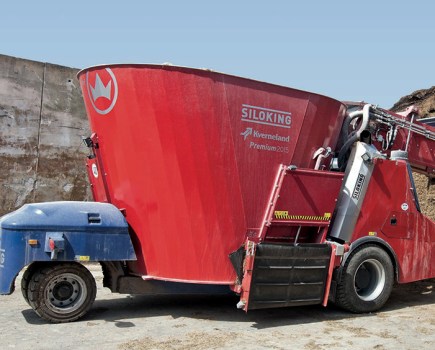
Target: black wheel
<point>61,292</point>
<point>366,280</point>
<point>27,275</point>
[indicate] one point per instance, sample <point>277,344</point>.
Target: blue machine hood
<point>65,216</point>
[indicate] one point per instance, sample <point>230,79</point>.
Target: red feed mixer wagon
<point>207,183</point>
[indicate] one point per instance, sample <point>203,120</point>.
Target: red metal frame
<point>247,277</point>
<point>268,217</point>
<point>301,198</point>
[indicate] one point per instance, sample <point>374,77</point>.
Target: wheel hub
<point>362,279</point>
<point>65,293</point>
<point>369,279</point>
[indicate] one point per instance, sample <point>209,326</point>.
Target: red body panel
<point>389,212</point>
<point>303,206</point>
<point>192,156</point>
<point>308,196</point>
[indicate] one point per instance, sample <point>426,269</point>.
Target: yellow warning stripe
<point>284,215</point>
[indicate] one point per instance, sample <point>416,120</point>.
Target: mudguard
<point>61,231</point>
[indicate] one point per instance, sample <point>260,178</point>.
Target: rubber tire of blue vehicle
<point>46,278</point>
<point>379,276</point>
<point>25,280</point>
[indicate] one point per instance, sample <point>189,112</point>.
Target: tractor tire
<point>61,292</point>
<point>366,280</point>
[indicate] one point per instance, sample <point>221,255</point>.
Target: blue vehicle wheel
<point>61,292</point>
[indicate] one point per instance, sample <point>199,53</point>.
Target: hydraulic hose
<point>365,113</point>
<point>354,136</point>
<point>350,118</point>
<point>365,121</point>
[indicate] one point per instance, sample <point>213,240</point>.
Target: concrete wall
<point>42,120</point>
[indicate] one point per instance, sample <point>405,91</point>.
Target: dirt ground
<point>144,322</point>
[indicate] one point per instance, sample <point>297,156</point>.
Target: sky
<point>376,51</point>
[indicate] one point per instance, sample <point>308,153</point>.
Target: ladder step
<point>311,301</point>
<point>289,284</point>
<point>291,267</point>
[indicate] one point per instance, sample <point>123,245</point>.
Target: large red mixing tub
<point>190,156</point>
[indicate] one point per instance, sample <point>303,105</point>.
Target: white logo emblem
<point>100,90</point>
<point>102,95</point>
<point>246,133</point>
<point>266,116</point>
<point>95,170</point>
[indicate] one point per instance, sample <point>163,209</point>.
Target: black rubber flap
<point>287,275</point>
<point>236,259</point>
